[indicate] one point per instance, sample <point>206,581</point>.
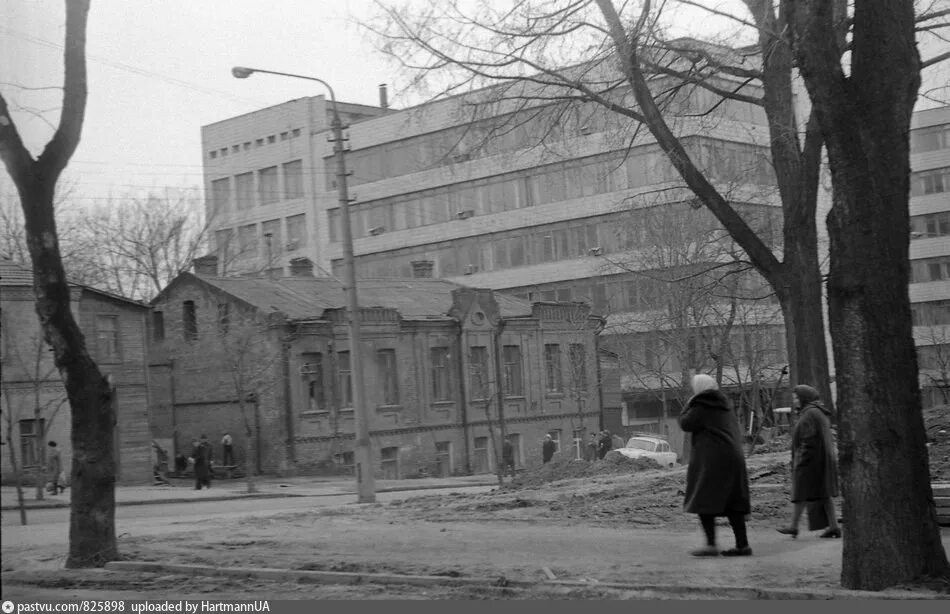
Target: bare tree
<point>863,90</point>
<point>934,356</point>
<point>92,540</point>
<point>246,350</point>
<point>529,53</point>
<point>863,118</point>
<point>144,243</point>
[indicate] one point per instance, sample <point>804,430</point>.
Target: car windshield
<point>642,444</point>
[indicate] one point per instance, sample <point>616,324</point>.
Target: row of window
<point>934,181</point>
<point>266,238</point>
<point>672,351</point>
<point>603,235</point>
<point>267,185</point>
<point>936,357</point>
<point>930,269</point>
<point>930,225</point>
<point>932,138</point>
<point>246,146</point>
<point>632,292</point>
<point>534,127</point>
<point>613,172</point>
<point>318,374</point>
<point>930,313</point>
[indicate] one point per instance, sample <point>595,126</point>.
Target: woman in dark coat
<point>716,480</point>
<point>202,455</point>
<point>814,469</point>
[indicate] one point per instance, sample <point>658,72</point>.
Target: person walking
<point>604,444</point>
<point>54,467</point>
<point>814,469</point>
<point>717,483</point>
<point>547,449</point>
<point>592,446</point>
<point>203,457</point>
<point>227,447</point>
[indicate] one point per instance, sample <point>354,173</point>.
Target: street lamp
<point>365,483</point>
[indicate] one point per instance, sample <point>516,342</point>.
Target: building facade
<point>35,409</point>
<point>544,206</point>
<point>268,360</point>
<point>930,250</point>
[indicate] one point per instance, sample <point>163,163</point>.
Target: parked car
<point>643,446</point>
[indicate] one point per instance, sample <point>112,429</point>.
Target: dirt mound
<point>566,469</point>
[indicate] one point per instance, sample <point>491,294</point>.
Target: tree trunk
<point>92,541</point>
<point>891,531</point>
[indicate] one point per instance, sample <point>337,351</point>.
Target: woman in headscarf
<point>716,480</point>
<point>814,469</point>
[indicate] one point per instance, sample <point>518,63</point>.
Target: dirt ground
<point>445,534</point>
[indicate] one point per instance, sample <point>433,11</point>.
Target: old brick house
<point>34,400</point>
<point>433,352</point>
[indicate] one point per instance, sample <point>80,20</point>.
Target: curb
<point>340,577</point>
<point>234,496</point>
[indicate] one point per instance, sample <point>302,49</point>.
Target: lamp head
<point>241,72</point>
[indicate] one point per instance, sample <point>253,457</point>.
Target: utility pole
<point>362,453</point>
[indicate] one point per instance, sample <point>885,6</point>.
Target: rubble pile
<point>566,469</point>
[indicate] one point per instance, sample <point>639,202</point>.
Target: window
<point>224,318</point>
<point>553,381</point>
<point>578,443</point>
<point>511,364</point>
<point>189,321</point>
<point>578,358</point>
<point>930,182</point>
<point>273,247</point>
<point>30,431</point>
<point>221,194</point>
<point>107,337</point>
<point>386,362</point>
<point>295,132</point>
<point>345,460</point>
<point>272,139</point>
<point>443,459</point>
<point>222,243</point>
<point>515,439</point>
<point>311,372</point>
<point>930,269</point>
<point>267,185</point>
<point>440,359</point>
<point>293,179</point>
<point>931,313</point>
<point>296,232</point>
<point>344,379</point>
<point>478,369</point>
<point>935,357</point>
<point>247,240</point>
<point>556,437</point>
<point>158,326</point>
<point>244,190</point>
<point>481,456</point>
<point>930,139</point>
<point>390,463</point>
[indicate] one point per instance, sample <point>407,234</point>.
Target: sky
<point>160,69</point>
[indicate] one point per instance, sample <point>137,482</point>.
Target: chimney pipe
<point>383,98</point>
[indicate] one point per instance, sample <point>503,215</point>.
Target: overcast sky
<point>160,69</point>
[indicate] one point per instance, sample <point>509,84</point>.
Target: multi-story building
<point>540,205</point>
<point>269,361</point>
<point>35,408</point>
<point>930,250</point>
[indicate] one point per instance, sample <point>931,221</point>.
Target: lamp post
<point>366,489</point>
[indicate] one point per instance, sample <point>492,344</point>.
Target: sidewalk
<point>182,490</point>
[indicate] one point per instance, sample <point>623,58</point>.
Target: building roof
<point>13,274</point>
<point>303,298</point>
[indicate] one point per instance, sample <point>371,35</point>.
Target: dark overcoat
<point>716,480</point>
<point>814,468</point>
<point>202,456</point>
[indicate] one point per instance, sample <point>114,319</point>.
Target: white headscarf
<point>702,383</point>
